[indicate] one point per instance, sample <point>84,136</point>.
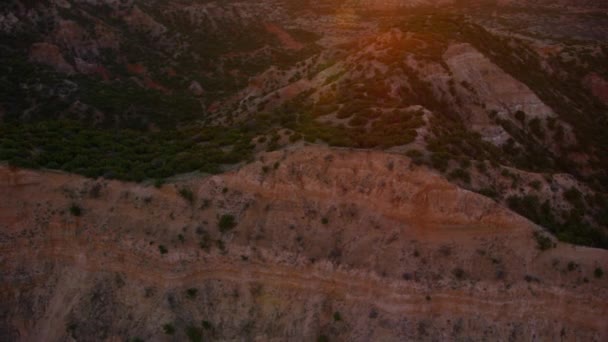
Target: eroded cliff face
<point>297,245</point>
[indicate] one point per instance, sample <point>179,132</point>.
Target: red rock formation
<point>598,87</point>
<point>49,54</point>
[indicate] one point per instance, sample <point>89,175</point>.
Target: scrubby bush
<point>169,329</point>
<point>195,334</point>
<point>440,161</point>
<point>414,154</point>
<point>458,273</point>
<point>598,272</point>
<point>122,154</point>
<point>226,223</point>
<point>489,192</point>
<point>575,197</point>
<point>187,194</point>
<point>75,210</point>
<point>191,293</point>
<point>543,242</point>
<point>158,183</point>
<point>536,128</point>
<point>461,174</point>
<point>207,325</point>
<point>322,338</point>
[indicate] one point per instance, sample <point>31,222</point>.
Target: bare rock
<point>598,87</point>
<point>49,54</point>
<point>196,88</point>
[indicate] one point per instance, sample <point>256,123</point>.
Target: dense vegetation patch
<point>571,227</point>
<point>121,154</point>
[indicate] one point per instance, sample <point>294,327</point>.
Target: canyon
<point>282,170</point>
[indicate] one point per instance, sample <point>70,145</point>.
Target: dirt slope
<point>352,246</point>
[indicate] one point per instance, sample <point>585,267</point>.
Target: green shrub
<point>120,153</point>
<point>169,329</point>
<point>458,273</point>
<point>536,128</point>
<point>187,194</point>
<point>158,183</point>
<point>460,174</point>
<point>598,272</point>
<point>575,197</point>
<point>226,223</point>
<point>414,154</point>
<point>536,185</point>
<point>520,116</point>
<point>337,316</point>
<point>195,334</point>
<point>75,210</point>
<point>191,293</point>
<point>440,161</point>
<point>162,249</point>
<point>543,242</point>
<point>207,325</point>
<point>323,338</point>
<point>295,137</point>
<point>489,192</point>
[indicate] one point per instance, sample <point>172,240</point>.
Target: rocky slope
<point>301,244</point>
<point>496,104</point>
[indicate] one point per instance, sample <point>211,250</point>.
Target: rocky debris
<point>598,86</point>
<point>139,20</point>
<point>8,22</point>
<point>196,88</point>
<point>71,36</point>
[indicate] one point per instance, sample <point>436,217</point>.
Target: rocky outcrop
<point>598,87</point>
<point>8,22</point>
<point>299,244</point>
<point>141,21</point>
<point>196,88</point>
<point>490,85</point>
<point>49,54</point>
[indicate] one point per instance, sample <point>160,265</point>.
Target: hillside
<point>301,244</point>
<point>370,170</point>
<point>512,111</point>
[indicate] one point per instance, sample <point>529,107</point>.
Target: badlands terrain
<point>333,170</point>
<point>322,244</point>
